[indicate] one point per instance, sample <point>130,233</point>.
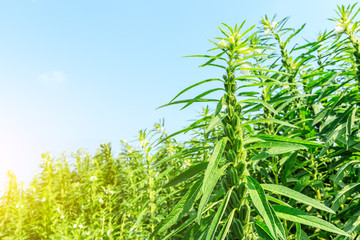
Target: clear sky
<point>75,74</point>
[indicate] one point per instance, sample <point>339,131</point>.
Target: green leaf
<point>279,227</point>
<point>181,154</point>
<point>278,147</point>
<point>300,234</point>
<point>194,85</point>
<point>331,137</point>
<point>139,218</point>
<point>181,227</point>
<point>185,130</point>
<point>181,208</point>
<point>214,161</point>
<point>266,70</point>
<point>287,98</point>
<point>298,216</point>
<point>287,192</point>
<point>219,106</point>
<point>223,233</point>
<point>207,56</point>
<point>218,216</point>
<point>191,171</point>
<point>202,95</point>
<point>261,204</point>
<point>208,190</point>
<point>353,224</point>
<point>264,83</point>
<point>188,101</point>
<point>287,166</point>
<point>268,121</point>
<point>343,194</point>
<point>265,104</point>
<point>215,121</point>
<point>275,200</point>
<point>266,137</point>
<point>349,126</point>
<point>197,231</point>
<point>212,58</point>
<point>343,170</point>
<point>263,231</point>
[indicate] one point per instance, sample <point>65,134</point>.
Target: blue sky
<point>75,74</point>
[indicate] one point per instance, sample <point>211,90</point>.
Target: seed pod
<point>227,156</point>
<point>232,87</point>
<point>234,177</point>
<point>226,86</point>
<point>245,214</point>
<point>238,109</point>
<point>229,132</point>
<point>227,98</point>
<point>242,189</point>
<point>226,131</point>
<point>234,200</point>
<point>224,185</point>
<point>233,100</point>
<point>238,144</point>
<point>236,122</point>
<point>232,156</point>
<point>237,228</point>
<point>243,156</point>
<point>231,110</point>
<point>241,168</point>
<point>231,77</point>
<point>224,121</point>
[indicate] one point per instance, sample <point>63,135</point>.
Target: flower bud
<point>223,44</point>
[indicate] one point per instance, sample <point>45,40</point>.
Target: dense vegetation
<point>277,158</point>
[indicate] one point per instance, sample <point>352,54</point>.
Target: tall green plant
<point>229,202</point>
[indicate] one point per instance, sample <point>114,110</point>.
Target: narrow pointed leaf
<point>268,121</point>
<point>349,126</point>
<point>265,104</point>
<point>275,148</point>
<point>298,216</point>
<point>223,233</point>
<point>287,166</point>
<point>181,208</point>
<point>343,170</point>
<point>300,234</point>
<point>214,161</point>
<point>190,172</point>
<point>188,101</point>
<point>202,95</point>
<point>194,85</point>
<point>263,231</point>
<point>343,194</point>
<point>353,224</point>
<point>182,227</point>
<point>279,227</point>
<point>218,216</point>
<point>284,139</point>
<point>209,189</point>
<point>261,204</point>
<point>287,192</point>
<point>215,121</point>
<point>181,154</point>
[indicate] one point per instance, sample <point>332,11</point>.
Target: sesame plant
<point>285,165</point>
<point>95,197</point>
<point>274,153</point>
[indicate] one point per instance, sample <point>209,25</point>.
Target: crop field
<point>275,157</point>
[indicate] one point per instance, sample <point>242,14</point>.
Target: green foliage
<point>278,156</point>
<point>289,125</point>
<point>96,197</point>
